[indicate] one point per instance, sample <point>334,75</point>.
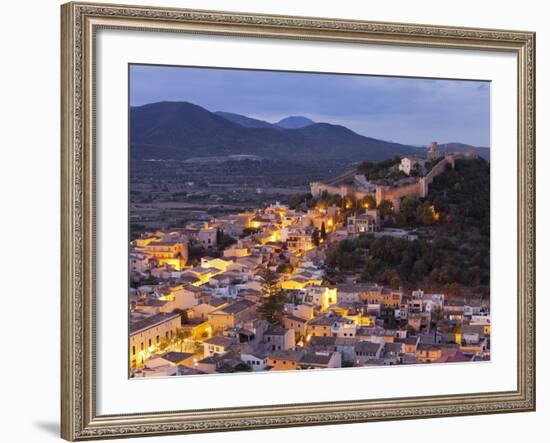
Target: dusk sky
<point>404,110</point>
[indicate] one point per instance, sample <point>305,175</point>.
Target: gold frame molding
<point>79,22</point>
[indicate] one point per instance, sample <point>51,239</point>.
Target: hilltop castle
<point>355,185</point>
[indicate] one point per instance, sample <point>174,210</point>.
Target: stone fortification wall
<point>419,189</point>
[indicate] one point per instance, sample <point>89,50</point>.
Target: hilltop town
<point>347,275</point>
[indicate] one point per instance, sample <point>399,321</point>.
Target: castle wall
<point>438,169</point>
<point>419,189</point>
<point>317,188</point>
<point>396,194</point>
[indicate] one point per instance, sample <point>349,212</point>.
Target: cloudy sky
<point>406,110</point>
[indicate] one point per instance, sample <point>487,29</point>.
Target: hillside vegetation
<point>452,252</point>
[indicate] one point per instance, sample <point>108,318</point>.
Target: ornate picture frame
<point>80,22</point>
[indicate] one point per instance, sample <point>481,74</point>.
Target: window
<point>150,343</point>
<point>158,339</point>
<point>142,346</point>
<point>133,350</point>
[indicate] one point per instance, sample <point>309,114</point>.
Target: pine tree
<point>272,307</point>
<point>315,237</point>
<point>274,299</point>
<point>270,284</point>
<point>323,232</point>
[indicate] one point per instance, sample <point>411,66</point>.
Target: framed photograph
<point>275,221</point>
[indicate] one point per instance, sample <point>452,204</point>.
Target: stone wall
<point>438,169</point>
<point>317,188</point>
<point>393,194</point>
<point>419,189</point>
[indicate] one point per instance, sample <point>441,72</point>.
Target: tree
<point>195,252</point>
<point>243,367</point>
<point>452,288</point>
<point>181,335</point>
<point>425,214</point>
<point>249,231</point>
<point>381,169</point>
<point>270,284</point>
<point>385,208</point>
<point>285,268</point>
<point>296,200</point>
<point>395,281</point>
<point>407,211</point>
<point>315,238</point>
<point>183,315</point>
<point>420,269</point>
<point>323,233</point>
<point>435,318</point>
<point>472,275</point>
<point>389,277</point>
<point>147,281</point>
<point>272,307</point>
<point>223,240</point>
<point>368,202</point>
<point>164,343</point>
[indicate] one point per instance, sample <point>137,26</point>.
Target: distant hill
<point>482,151</point>
<point>242,120</point>
<point>294,122</point>
<point>183,130</point>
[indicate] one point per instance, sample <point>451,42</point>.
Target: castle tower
<point>433,151</point>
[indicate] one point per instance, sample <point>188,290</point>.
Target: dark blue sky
<point>405,110</point>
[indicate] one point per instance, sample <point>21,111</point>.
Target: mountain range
<point>181,130</point>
